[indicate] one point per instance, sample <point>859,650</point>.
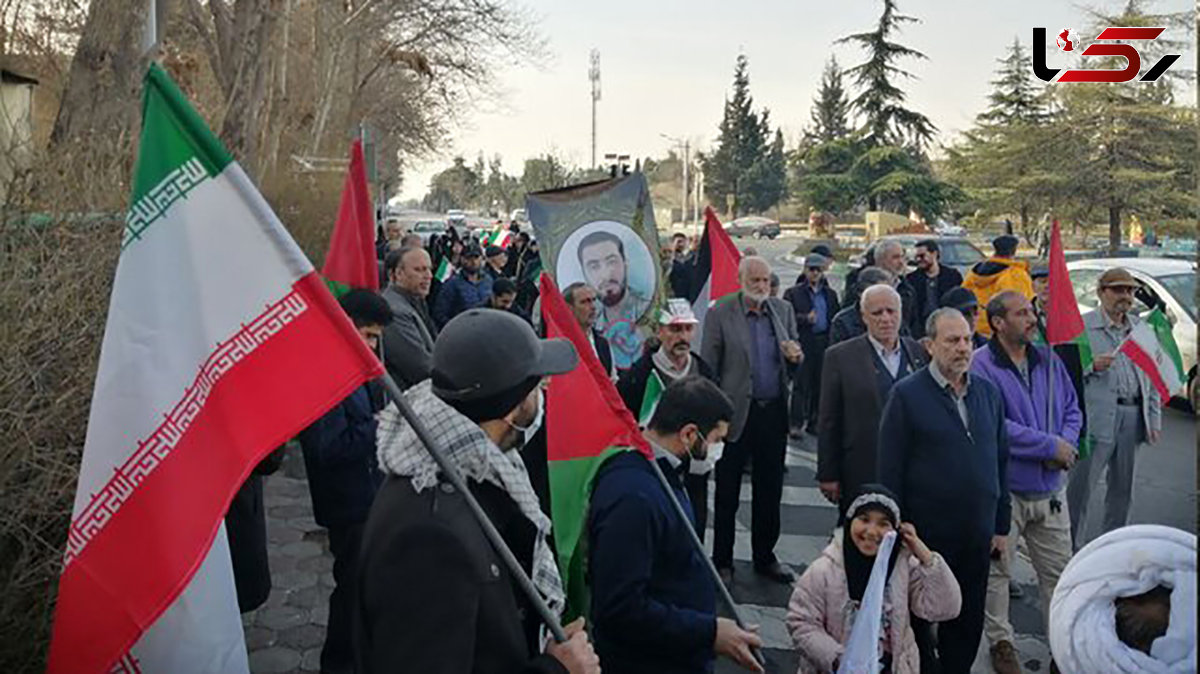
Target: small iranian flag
<point>1152,348</point>
<point>444,271</point>
<point>207,364</point>
<point>501,238</point>
<point>586,424</point>
<point>654,391</point>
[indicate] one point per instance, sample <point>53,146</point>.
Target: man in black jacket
<point>673,360</point>
<point>816,304</point>
<point>943,450</point>
<point>653,596</point>
<point>929,282</point>
<point>339,457</point>
<point>433,595</point>
<point>581,297</point>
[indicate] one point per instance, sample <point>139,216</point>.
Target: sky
<point>667,66</point>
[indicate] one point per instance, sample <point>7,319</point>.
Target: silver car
<point>1168,283</point>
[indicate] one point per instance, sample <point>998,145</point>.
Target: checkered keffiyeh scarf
<point>477,458</point>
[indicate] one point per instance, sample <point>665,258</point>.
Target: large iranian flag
<point>586,424</point>
<point>221,343</point>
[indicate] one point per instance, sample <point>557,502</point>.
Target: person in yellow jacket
<point>996,274</point>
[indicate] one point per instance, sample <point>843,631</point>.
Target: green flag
<point>1166,337</point>
<point>654,390</point>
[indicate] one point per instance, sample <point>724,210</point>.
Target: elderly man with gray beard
<point>750,340</point>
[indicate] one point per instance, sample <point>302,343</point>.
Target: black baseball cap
<point>493,251</point>
<point>484,353</point>
<point>1005,245</point>
<point>960,298</point>
<point>472,249</point>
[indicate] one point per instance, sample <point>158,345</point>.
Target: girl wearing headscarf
<point>827,598</point>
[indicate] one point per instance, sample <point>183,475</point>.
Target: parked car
<point>753,225</point>
<point>1166,283</point>
<point>427,228</point>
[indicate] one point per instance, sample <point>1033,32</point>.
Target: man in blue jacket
<point>653,596</point>
<point>339,457</point>
<point>1039,455</point>
<point>469,288</point>
<point>943,450</point>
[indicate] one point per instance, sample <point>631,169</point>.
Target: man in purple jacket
<point>1043,431</point>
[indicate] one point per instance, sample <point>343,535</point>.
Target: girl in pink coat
<point>827,597</point>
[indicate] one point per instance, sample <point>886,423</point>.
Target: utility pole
<point>594,77</point>
<point>686,145</point>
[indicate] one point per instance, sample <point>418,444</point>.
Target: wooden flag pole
<point>451,472</point>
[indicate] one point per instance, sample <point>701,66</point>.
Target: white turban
<point>1124,563</point>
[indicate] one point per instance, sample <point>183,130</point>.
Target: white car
<point>1168,283</point>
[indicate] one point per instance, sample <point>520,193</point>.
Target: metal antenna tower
<point>594,76</point>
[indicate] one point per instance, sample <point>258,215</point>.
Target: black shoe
<point>776,572</point>
<point>726,574</point>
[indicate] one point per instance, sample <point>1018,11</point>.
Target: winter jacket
<point>847,324</point>
<point>339,457</point>
<point>818,611</point>
<point>459,294</point>
<point>632,384</point>
<point>803,301</point>
<point>654,602</point>
<point>1029,443</point>
<point>947,278</point>
<point>992,277</point>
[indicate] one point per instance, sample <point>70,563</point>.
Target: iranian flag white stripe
<point>207,364</point>
<point>1143,348</point>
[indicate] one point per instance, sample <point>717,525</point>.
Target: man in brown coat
<point>857,376</point>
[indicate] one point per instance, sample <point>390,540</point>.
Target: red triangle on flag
<point>351,261</point>
<point>584,413</point>
<point>725,257</point>
<point>1063,322</point>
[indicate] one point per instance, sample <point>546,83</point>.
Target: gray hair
<point>569,291</point>
<point>875,290</point>
<point>870,276</point>
<point>882,246</point>
<point>751,260</point>
<point>937,315</point>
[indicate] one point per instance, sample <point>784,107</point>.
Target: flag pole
<point>451,472</point>
<point>712,569</point>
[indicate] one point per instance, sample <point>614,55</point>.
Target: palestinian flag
<point>1152,348</point>
<point>350,262</point>
<point>206,366</point>
<point>1064,329</point>
<point>715,270</point>
<point>444,271</point>
<point>586,423</point>
<point>654,391</point>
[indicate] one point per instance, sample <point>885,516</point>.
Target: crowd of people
<point>938,414</point>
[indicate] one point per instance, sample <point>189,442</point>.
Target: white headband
<point>877,499</point>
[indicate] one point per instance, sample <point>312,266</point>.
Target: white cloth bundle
<point>862,648</point>
<point>1123,563</point>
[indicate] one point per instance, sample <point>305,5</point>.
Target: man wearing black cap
<point>434,596</point>
<point>964,300</point>
<point>497,259</point>
<point>996,274</point>
<point>467,289</point>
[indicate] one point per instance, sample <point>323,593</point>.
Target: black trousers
<point>806,386</point>
<point>764,440</point>
<point>958,640</point>
<point>337,655</point>
<point>697,491</point>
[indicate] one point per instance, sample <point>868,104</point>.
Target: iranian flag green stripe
<point>221,343</point>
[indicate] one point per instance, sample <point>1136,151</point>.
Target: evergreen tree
<point>740,143</point>
<point>880,104</point>
<point>1014,98</point>
<point>831,108</point>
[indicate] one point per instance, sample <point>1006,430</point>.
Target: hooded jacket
<point>1030,445</point>
<point>818,610</point>
<point>992,277</point>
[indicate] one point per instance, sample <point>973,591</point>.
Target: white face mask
<point>530,430</point>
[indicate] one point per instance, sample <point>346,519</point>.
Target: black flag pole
<point>712,569</point>
<point>451,472</point>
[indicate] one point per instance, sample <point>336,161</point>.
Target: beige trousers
<point>1047,537</point>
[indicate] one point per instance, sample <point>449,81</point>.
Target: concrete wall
<point>16,132</point>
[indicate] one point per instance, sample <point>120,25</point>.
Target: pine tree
<point>881,103</point>
<point>1014,98</point>
<point>831,108</point>
<point>740,143</point>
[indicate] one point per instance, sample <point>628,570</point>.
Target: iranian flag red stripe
<point>221,343</point>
